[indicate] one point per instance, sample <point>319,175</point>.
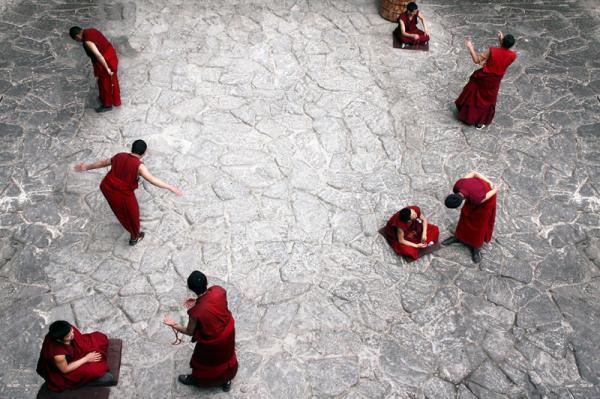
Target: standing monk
<point>408,231</point>
<point>105,62</point>
<point>120,182</point>
<point>407,31</point>
<point>478,214</point>
<point>212,327</point>
<point>70,359</point>
<point>477,103</point>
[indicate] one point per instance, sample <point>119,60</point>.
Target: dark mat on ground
<point>398,44</point>
<point>115,347</point>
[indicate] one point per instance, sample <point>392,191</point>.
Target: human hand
<point>176,191</point>
<point>169,321</point>
<point>109,72</point>
<point>424,238</point>
<point>80,167</point>
<point>500,35</point>
<point>188,303</point>
<point>417,37</point>
<point>422,245</point>
<point>93,357</point>
<point>468,42</point>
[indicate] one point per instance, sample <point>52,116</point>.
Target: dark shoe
<point>476,254</point>
<point>133,242</point>
<point>226,387</point>
<point>186,379</point>
<point>479,126</point>
<point>103,109</point>
<point>450,240</point>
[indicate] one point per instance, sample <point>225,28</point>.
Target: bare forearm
<point>98,164</point>
<point>74,365</point>
<point>408,243</point>
<point>182,329</point>
<point>474,55</point>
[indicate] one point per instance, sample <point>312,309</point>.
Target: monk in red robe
<point>478,214</point>
<point>408,231</point>
<point>477,103</point>
<point>212,327</point>
<point>70,359</point>
<point>407,31</point>
<point>120,182</point>
<point>105,63</point>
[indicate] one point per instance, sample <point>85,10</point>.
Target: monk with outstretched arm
<point>120,183</point>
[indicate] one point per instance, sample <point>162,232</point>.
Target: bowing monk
<point>211,326</point>
<point>70,359</point>
<point>105,62</point>
<point>408,231</point>
<point>120,182</point>
<point>478,214</point>
<point>407,31</point>
<point>477,103</point>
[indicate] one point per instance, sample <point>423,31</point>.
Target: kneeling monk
<point>120,182</point>
<point>476,104</point>
<point>408,231</point>
<point>212,327</point>
<point>407,31</point>
<point>70,359</point>
<point>478,214</point>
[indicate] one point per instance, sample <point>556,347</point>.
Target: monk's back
<point>499,61</point>
<point>124,166</point>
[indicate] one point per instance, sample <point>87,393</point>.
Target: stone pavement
<point>295,130</point>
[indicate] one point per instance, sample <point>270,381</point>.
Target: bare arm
<point>187,330</point>
<point>405,34</point>
<point>155,181</point>
<point>424,235</point>
<point>64,367</point>
<point>82,167</point>
<point>423,22</point>
<point>99,56</point>
<point>402,241</point>
<point>478,175</point>
<point>500,38</point>
<point>478,59</point>
<point>490,194</point>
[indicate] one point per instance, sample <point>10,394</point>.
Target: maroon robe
<point>410,26</point>
<point>108,86</point>
<point>214,361</point>
<point>81,345</point>
<point>477,102</point>
<point>476,222</point>
<point>413,231</point>
<point>118,188</point>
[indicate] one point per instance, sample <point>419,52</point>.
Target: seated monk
<point>70,359</point>
<point>212,328</point>
<point>407,31</point>
<point>408,231</point>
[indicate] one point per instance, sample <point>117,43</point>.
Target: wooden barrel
<point>391,9</point>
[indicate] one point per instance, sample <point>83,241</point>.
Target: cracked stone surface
<point>295,130</point>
